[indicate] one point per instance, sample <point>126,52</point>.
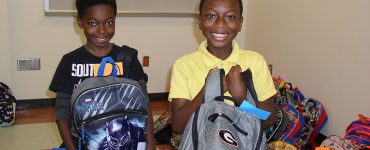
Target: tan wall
<point>31,34</point>
<point>5,75</point>
<point>320,46</point>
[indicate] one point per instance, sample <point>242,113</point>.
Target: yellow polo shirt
<point>189,72</point>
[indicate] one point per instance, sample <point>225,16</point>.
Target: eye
<point>230,17</point>
<point>109,22</point>
<point>93,24</point>
<point>211,16</point>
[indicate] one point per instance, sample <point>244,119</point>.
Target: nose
<point>220,22</point>
<point>101,29</point>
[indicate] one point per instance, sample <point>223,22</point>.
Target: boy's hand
<point>224,78</point>
<point>236,85</point>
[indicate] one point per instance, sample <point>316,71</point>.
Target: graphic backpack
<point>278,129</point>
<point>358,132</point>
<point>162,128</point>
<point>308,115</point>
<point>218,125</point>
<point>338,143</point>
<point>110,112</point>
<point>295,125</point>
<point>315,118</point>
<point>7,106</point>
<point>287,94</point>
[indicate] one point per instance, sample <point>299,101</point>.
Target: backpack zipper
<point>214,116</point>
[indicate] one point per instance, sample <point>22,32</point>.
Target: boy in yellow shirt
<point>220,21</point>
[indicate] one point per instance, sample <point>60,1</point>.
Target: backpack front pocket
<point>121,130</point>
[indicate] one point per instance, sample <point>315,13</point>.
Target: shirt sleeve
<point>62,79</point>
<point>179,88</point>
<point>63,106</point>
<point>139,74</point>
<point>262,80</point>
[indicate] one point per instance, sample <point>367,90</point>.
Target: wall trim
<point>50,102</point>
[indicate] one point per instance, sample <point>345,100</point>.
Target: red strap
<point>363,119</point>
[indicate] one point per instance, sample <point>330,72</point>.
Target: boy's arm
<point>62,112</point>
<point>150,131</point>
<point>237,89</point>
<point>137,69</point>
<point>268,105</point>
<point>236,85</point>
<point>182,109</point>
<point>65,133</point>
<point>142,79</point>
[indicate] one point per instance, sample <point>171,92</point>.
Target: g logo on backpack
<point>227,137</point>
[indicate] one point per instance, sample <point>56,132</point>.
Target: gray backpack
<point>217,125</point>
<point>110,112</point>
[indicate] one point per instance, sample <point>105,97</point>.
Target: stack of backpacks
<point>300,121</point>
<point>300,118</point>
<point>358,132</point>
<point>357,136</point>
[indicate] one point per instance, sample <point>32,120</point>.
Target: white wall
<point>31,34</point>
<point>321,46</point>
<point>5,75</point>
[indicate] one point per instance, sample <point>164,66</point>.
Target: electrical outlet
<point>146,61</point>
<point>25,64</point>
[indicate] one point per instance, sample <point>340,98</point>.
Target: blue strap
<point>249,108</point>
<point>83,135</point>
<point>105,60</point>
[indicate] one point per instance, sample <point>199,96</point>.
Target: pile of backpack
<point>358,132</point>
<point>7,106</point>
<point>357,136</point>
<point>300,121</point>
<point>300,118</point>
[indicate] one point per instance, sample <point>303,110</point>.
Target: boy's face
<point>220,22</point>
<point>98,24</point>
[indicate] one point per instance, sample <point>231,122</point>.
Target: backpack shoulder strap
<point>126,56</point>
<point>247,77</point>
<point>214,85</point>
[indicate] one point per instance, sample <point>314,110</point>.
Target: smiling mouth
<point>219,36</point>
<point>101,39</point>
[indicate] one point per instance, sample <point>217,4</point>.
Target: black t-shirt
<point>80,64</point>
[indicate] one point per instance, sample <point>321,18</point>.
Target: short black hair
<point>82,5</point>
<point>201,4</point>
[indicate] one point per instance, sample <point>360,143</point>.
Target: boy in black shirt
<point>97,19</point>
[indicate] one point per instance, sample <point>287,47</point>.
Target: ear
<point>79,22</point>
<point>240,23</point>
<point>200,22</point>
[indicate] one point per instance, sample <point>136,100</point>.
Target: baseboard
<point>50,102</point>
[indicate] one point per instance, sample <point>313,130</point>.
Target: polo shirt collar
<point>211,60</point>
